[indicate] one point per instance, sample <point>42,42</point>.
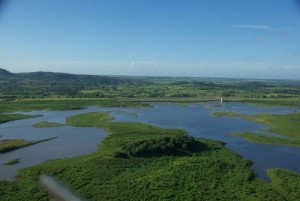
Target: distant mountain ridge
<point>5,73</point>
<point>60,77</point>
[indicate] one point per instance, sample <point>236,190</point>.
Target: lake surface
<point>197,119</point>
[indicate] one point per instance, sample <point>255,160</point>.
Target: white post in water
<point>221,99</point>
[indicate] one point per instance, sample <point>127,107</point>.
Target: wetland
<point>168,152</point>
<point>199,120</point>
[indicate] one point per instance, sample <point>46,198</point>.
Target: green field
<point>46,124</point>
<point>209,172</point>
<point>283,124</point>
<point>62,104</point>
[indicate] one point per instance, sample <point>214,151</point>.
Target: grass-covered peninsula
<point>267,139</point>
<point>12,117</point>
<point>13,144</point>
<point>287,125</point>
<point>127,167</point>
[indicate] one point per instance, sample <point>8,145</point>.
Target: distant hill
<point>51,77</point>
<point>48,84</point>
<point>66,77</point>
<point>5,74</point>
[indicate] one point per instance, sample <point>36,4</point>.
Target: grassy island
<point>286,125</point>
<point>12,162</point>
<point>46,124</point>
<point>143,162</point>
<point>93,119</point>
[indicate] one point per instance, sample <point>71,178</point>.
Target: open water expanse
<point>197,119</point>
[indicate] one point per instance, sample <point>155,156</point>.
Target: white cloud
<point>252,26</point>
<point>132,64</point>
<point>256,26</point>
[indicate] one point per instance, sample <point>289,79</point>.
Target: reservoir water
<point>197,119</point>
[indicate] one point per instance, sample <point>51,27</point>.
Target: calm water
<point>197,119</point>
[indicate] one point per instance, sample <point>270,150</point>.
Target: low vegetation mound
<point>178,145</point>
<point>92,119</point>
<point>12,162</point>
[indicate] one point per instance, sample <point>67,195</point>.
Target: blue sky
<point>202,38</point>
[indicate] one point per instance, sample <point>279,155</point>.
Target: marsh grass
<point>283,124</point>
<point>13,144</point>
<point>46,124</point>
<point>59,104</point>
<point>265,139</point>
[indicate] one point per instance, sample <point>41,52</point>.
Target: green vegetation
<point>270,102</point>
<point>12,117</point>
<point>177,145</point>
<point>93,119</point>
<point>198,89</point>
<point>47,85</point>
<point>282,124</point>
<point>286,182</point>
<point>229,114</point>
<point>12,162</point>
<point>46,124</point>
<point>13,144</point>
<point>209,172</point>
<point>62,104</point>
